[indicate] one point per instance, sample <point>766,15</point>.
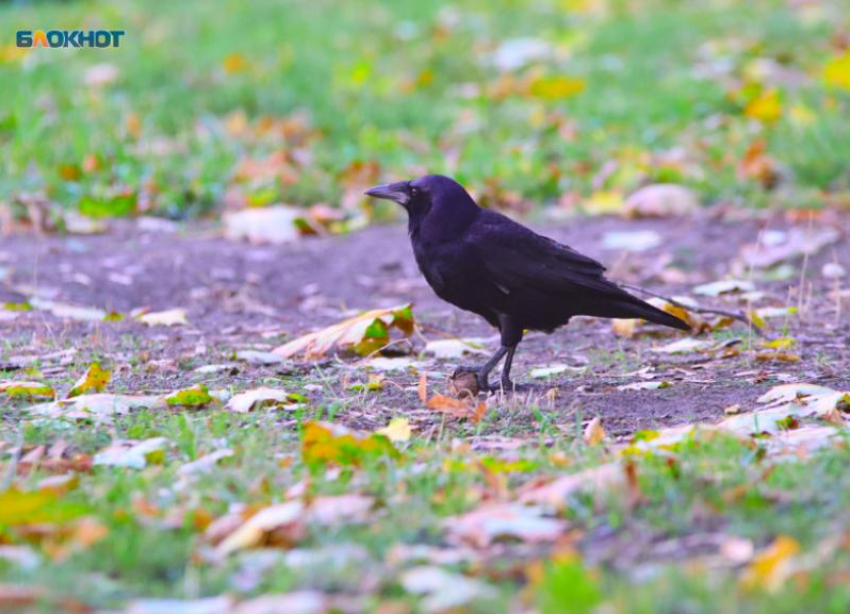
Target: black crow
<point>516,279</point>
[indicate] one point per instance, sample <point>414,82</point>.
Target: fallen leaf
<point>94,379</point>
<point>364,334</point>
<point>661,200</point>
<point>397,431</point>
<point>325,444</point>
<point>555,87</point>
<point>455,348</point>
<point>631,240</point>
<point>552,370</point>
<point>283,518</point>
<point>771,568</point>
<point>625,327</point>
<point>195,396</point>
<point>18,507</point>
<point>254,357</point>
<point>100,407</point>
<point>724,287</point>
<point>131,454</point>
<point>258,398</point>
<point>276,225</point>
<point>683,346</point>
<point>644,386</point>
<point>348,508</point>
<point>28,390</point>
<point>483,526</point>
<point>594,433</point>
<point>171,317</point>
<point>837,71</point>
<point>766,107</point>
<point>70,312</point>
<point>422,388</point>
<point>457,407</point>
<point>234,63</point>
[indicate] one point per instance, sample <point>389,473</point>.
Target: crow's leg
<point>507,384</point>
<point>512,332</point>
<point>483,374</point>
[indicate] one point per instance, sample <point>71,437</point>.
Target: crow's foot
<point>481,383</point>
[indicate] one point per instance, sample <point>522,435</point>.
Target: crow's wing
<point>514,257</point>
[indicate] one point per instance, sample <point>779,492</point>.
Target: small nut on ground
<point>464,384</point>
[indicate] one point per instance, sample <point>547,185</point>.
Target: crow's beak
<point>397,192</point>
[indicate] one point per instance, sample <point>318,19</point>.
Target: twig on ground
<point>735,315</point>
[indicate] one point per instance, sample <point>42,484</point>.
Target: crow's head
<point>421,195</point>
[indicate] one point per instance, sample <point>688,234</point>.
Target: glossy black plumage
<point>484,262</point>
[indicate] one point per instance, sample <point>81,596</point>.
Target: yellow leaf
<point>766,107</point>
<point>802,115</point>
<point>624,327</point>
<point>397,431</point>
<point>27,389</point>
<point>771,567</point>
<point>837,71</point>
<point>326,444</point>
<point>17,507</point>
<point>190,397</point>
<point>94,379</point>
<point>780,344</point>
<point>604,201</point>
<point>233,63</point>
<point>553,88</point>
<point>594,433</point>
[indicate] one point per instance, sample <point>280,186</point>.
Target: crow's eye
<point>414,192</point>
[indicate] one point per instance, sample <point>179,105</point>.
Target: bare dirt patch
<point>239,296</point>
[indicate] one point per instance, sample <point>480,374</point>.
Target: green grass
<point>704,486</point>
<point>410,87</point>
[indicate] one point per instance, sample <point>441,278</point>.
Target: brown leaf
<point>594,433</point>
<point>457,408</point>
<point>422,389</point>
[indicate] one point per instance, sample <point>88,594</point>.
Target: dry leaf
<point>364,334</point>
<point>28,390</point>
<point>422,388</point>
<point>594,433</point>
<point>772,567</point>
<point>483,526</point>
<point>766,107</point>
<point>94,379</point>
<point>283,518</point>
<point>661,200</point>
<point>457,407</point>
<point>171,317</point>
<point>397,431</point>
<point>257,398</point>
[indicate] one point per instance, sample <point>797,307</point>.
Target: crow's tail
<point>636,308</point>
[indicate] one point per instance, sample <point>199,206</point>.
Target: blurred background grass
<point>570,104</point>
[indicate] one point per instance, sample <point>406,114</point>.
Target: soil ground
<point>240,296</point>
